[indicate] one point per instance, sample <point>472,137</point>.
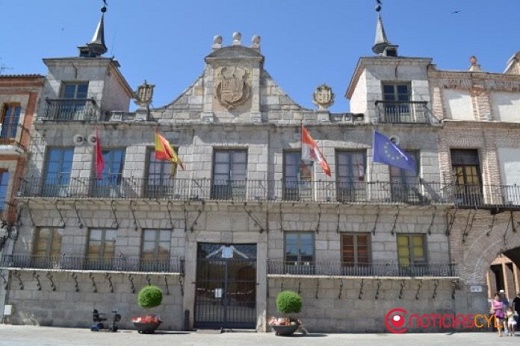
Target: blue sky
<point>305,42</point>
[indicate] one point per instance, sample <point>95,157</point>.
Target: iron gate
<point>226,286</point>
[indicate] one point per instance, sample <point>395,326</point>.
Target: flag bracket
<point>281,219</point>
<point>80,223</point>
<point>170,213</point>
<point>62,221</point>
<point>375,223</point>
<point>469,224</point>
<point>115,222</point>
<point>167,287</point>
<point>249,213</point>
<point>360,295</point>
<point>192,227</point>
<point>132,210</point>
<point>317,288</point>
<point>132,286</point>
<point>185,211</point>
<point>395,220</point>
<point>493,219</point>
<point>451,222</point>
<point>513,227</point>
<point>339,215</point>
<point>433,219</point>
<point>340,288</point>
<point>319,219</point>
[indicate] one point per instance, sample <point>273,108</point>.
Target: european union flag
<point>385,151</point>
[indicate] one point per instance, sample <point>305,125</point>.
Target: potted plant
<point>148,297</point>
<point>287,302</point>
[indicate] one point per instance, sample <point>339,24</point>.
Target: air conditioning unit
<point>78,139</point>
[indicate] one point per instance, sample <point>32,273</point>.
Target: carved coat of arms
<point>323,97</point>
<point>232,88</point>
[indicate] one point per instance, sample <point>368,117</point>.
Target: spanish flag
<point>164,151</point>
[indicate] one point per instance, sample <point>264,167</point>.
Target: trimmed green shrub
<point>149,297</point>
<point>288,302</point>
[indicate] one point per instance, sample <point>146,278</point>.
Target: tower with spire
<point>381,45</point>
<point>97,46</point>
<point>81,83</point>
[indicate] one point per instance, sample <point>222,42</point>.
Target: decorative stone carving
<point>323,97</point>
<point>232,88</point>
<point>144,95</point>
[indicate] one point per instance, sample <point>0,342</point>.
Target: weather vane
<point>104,8</point>
<point>378,6</point>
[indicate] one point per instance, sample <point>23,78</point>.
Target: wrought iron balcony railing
<point>390,269</point>
<point>71,110</point>
<point>117,187</point>
<point>120,263</point>
<point>402,112</point>
<point>419,193</point>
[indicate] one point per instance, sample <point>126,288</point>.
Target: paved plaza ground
<point>51,336</point>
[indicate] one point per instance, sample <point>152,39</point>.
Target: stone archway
<point>478,237</point>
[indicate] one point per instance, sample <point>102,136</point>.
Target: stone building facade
<point>247,217</point>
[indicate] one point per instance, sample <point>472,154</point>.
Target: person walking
<point>497,310</point>
<point>516,306</point>
<point>504,301</point>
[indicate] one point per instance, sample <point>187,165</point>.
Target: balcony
<point>70,110</point>
<point>402,112</point>
<point>74,263</point>
<point>388,269</point>
<point>422,193</point>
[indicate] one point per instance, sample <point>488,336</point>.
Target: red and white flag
<point>311,152</point>
<point>100,161</point>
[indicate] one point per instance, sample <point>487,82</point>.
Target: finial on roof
<point>378,5</point>
<point>474,65</point>
<point>97,46</point>
<point>381,44</point>
<point>236,39</point>
<point>217,42</point>
<point>255,42</point>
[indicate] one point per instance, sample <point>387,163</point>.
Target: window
<point>396,97</point>
<point>355,253</point>
<point>57,172</point>
<point>101,249</point>
<point>74,100</point>
<point>466,172</point>
<point>297,178</point>
<point>111,178</point>
<point>229,174</point>
<point>155,253</point>
<point>404,183</point>
<point>355,248</point>
<point>351,172</point>
<point>411,249</point>
<point>299,252</point>
<point>159,180</point>
<point>4,184</point>
<point>47,248</point>
<point>10,120</point>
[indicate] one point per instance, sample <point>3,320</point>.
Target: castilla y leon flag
<point>164,151</point>
<point>100,161</point>
<point>311,152</point>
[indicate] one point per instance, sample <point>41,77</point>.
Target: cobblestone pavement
<point>50,336</point>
